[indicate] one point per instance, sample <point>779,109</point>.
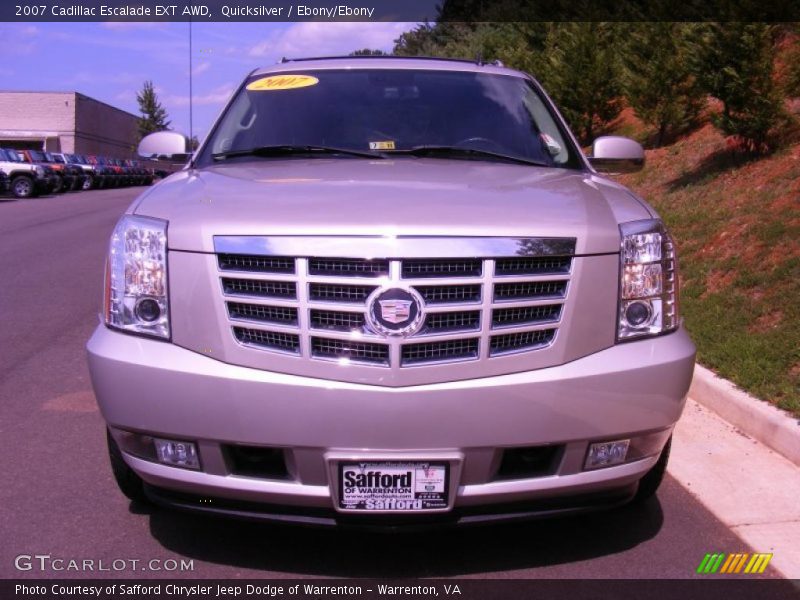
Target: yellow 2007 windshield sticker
<point>388,145</point>
<point>281,82</point>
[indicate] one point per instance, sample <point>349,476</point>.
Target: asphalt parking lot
<point>58,497</point>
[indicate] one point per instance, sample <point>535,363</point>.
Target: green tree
<point>791,85</point>
<point>658,83</point>
<point>583,75</point>
<point>734,63</point>
<point>154,116</point>
<point>369,52</point>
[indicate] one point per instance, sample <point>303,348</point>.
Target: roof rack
<point>477,61</point>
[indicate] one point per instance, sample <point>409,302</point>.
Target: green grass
<point>739,265</point>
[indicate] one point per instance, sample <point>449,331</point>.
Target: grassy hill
<point>737,225</point>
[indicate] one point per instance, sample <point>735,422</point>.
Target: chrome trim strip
<point>393,247</point>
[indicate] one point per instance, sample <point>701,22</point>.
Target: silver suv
<point>387,292</point>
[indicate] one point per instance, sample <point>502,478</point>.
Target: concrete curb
<point>758,419</point>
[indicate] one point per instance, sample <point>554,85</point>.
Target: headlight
<point>648,291</point>
<point>39,171</point>
<point>137,298</point>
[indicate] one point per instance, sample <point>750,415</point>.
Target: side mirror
<point>169,145</point>
<point>615,154</point>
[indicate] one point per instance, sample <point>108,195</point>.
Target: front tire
<point>648,485</point>
<point>88,183</point>
<point>22,187</point>
<point>129,483</point>
<point>59,185</point>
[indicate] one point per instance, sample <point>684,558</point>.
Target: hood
<point>402,197</point>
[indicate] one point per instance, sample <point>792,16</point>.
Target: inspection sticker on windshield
<point>281,82</point>
<point>381,145</point>
<point>393,486</point>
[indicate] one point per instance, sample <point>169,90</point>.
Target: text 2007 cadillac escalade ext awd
<point>390,291</point>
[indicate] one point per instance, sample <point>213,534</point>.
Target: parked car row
<point>27,173</point>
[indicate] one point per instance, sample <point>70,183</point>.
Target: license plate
<point>393,486</point>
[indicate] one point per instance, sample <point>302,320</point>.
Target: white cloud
<point>201,68</point>
<point>217,95</point>
<point>126,96</point>
<point>323,39</point>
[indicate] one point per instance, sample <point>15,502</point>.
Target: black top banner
<point>399,10</point>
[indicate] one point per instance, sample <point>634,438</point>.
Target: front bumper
<point>161,389</point>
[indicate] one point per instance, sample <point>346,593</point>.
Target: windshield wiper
<point>446,151</point>
<point>287,149</point>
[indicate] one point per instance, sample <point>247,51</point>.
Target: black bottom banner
<point>367,589</point>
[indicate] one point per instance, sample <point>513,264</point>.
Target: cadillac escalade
<point>390,292</point>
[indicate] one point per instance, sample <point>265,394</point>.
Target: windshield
<point>56,158</point>
<point>386,111</point>
<point>37,156</point>
<point>13,156</point>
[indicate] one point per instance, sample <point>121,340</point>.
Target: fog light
<point>606,454</point>
<point>177,454</point>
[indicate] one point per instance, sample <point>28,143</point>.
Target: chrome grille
<point>475,308</point>
<point>327,292</point>
<point>337,321</point>
<point>349,350</point>
<point>526,340</point>
<point>440,351</point>
<point>450,294</point>
<point>287,342</point>
<point>442,268</point>
<point>529,290</point>
<point>532,265</point>
<point>257,287</point>
<point>257,264</point>
<point>348,267</point>
<point>259,312</point>
<point>525,315</point>
<point>452,321</point>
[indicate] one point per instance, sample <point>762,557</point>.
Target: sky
<point>111,61</point>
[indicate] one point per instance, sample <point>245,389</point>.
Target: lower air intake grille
<point>288,342</point>
<point>345,349</point>
<point>526,340</point>
<point>440,351</point>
